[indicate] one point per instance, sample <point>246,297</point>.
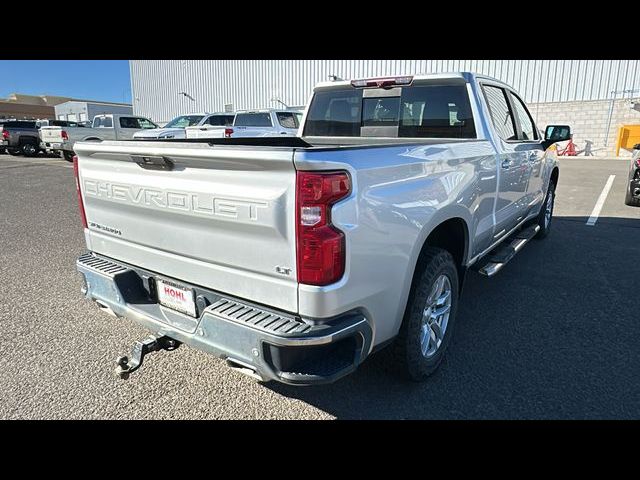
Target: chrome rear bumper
<point>266,343</point>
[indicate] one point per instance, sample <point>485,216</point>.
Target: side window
<point>220,120</point>
<point>214,120</point>
<point>501,114</point>
<point>529,131</point>
<point>253,120</point>
<point>287,119</point>
<point>129,122</point>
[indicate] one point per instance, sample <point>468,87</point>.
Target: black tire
<point>545,226</point>
<point>14,151</point>
<point>630,199</point>
<point>29,149</point>
<point>408,354</point>
<point>68,156</point>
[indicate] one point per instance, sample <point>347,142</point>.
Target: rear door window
<point>422,111</point>
<point>260,119</point>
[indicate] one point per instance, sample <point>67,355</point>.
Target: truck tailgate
<point>205,131</point>
<point>51,134</point>
<point>220,217</point>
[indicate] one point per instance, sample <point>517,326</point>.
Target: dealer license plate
<point>176,297</point>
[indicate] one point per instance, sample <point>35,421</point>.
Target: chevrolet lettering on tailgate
<point>200,203</point>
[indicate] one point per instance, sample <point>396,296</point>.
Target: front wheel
<point>14,151</point>
<point>428,322</point>
<point>546,212</point>
<point>68,156</point>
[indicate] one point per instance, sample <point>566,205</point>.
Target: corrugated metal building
<point>212,84</point>
<point>85,110</point>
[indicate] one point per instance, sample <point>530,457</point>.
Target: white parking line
<point>601,199</point>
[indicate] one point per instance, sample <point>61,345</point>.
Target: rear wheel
<point>428,322</point>
<point>546,212</point>
<point>29,149</point>
<point>68,156</point>
<point>630,199</point>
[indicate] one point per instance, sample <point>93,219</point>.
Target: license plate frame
<point>176,297</point>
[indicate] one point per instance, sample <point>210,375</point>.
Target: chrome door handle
<point>506,163</point>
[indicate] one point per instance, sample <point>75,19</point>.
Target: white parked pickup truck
<point>104,127</point>
<point>294,258</point>
<point>176,127</point>
<point>252,123</point>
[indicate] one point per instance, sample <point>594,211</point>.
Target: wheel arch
<point>451,235</point>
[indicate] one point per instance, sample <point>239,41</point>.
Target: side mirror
<point>556,133</point>
<point>636,146</point>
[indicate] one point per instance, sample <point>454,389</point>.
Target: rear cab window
<point>426,109</point>
<point>257,119</point>
<point>220,120</point>
<point>20,124</point>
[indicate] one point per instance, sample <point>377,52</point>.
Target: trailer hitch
<point>126,365</point>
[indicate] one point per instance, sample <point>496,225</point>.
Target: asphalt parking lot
<point>553,335</point>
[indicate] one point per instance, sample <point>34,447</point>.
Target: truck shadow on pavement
<point>553,335</point>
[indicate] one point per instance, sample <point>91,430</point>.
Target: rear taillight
<point>638,162</point>
<point>228,132</point>
<point>64,135</point>
<point>384,82</point>
<point>5,135</point>
<point>83,215</point>
<point>320,246</point>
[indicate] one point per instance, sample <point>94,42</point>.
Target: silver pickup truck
<point>57,139</point>
<point>294,259</point>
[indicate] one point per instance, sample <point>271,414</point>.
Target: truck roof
<point>205,114</point>
<point>420,76</point>
<point>268,110</point>
<point>467,76</point>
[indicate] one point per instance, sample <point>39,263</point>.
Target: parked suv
<point>176,127</point>
<point>253,123</point>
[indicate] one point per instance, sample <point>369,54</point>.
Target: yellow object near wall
<point>628,136</point>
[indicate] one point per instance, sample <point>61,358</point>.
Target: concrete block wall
<point>588,121</point>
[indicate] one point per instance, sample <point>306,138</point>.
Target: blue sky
<point>106,80</point>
